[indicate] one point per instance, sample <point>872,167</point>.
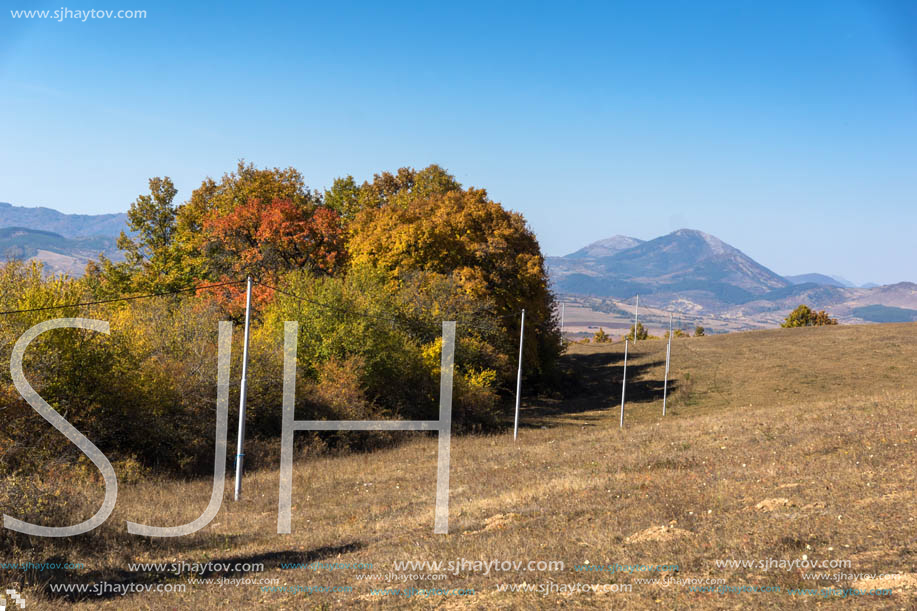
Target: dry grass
<point>779,443</point>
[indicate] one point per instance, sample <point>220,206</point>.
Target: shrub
<point>641,332</point>
<point>803,316</point>
<point>395,337</point>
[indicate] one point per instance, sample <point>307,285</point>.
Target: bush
<point>803,316</point>
<point>641,332</point>
<point>393,341</point>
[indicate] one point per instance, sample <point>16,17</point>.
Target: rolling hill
<point>64,243</point>
<point>821,279</point>
<point>756,458</point>
<point>67,225</point>
<point>58,253</point>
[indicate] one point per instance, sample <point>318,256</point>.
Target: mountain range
<point>694,273</point>
<point>687,271</point>
<point>67,225</point>
<point>63,242</point>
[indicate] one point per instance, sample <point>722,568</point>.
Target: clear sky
<point>788,129</point>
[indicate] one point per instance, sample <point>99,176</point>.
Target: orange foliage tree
<point>265,239</point>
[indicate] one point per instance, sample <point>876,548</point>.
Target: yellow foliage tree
<point>425,221</point>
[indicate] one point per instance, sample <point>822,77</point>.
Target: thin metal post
<point>668,355</point>
<point>636,306</point>
<point>243,391</point>
<point>623,382</point>
<point>519,377</point>
<point>563,310</point>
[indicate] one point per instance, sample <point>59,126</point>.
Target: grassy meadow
<point>777,444</point>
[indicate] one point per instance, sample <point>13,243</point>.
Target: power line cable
<point>117,299</point>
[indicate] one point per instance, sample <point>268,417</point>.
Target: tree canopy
<point>380,264</point>
<point>425,221</point>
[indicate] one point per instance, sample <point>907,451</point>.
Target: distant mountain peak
<point>606,247</point>
<point>684,261</point>
<point>698,275</point>
<point>716,245</point>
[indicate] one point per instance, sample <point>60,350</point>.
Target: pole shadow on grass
<point>123,577</point>
<point>593,382</point>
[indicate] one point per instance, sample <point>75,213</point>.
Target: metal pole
<point>623,382</point>
<point>519,377</point>
<point>563,310</point>
<point>636,306</point>
<point>243,391</point>
<point>668,354</point>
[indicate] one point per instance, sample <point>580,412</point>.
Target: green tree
<point>150,263</point>
<point>699,331</point>
<point>344,197</point>
<point>152,217</point>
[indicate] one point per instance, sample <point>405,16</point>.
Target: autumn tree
<point>601,337</point>
<point>265,239</point>
<point>642,333</point>
<point>803,316</point>
<point>822,319</point>
<point>426,221</point>
<point>387,189</point>
<point>215,202</point>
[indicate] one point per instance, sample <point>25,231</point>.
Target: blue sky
<point>787,129</point>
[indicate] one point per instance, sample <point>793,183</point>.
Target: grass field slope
<point>782,449</point>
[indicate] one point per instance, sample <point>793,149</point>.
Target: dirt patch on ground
<point>495,522</point>
<point>899,582</point>
<point>774,504</point>
<point>500,521</point>
<point>658,533</point>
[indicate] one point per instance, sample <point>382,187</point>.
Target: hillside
<point>59,254</point>
<point>782,445</point>
<point>64,243</point>
<point>67,225</point>
<point>821,279</point>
